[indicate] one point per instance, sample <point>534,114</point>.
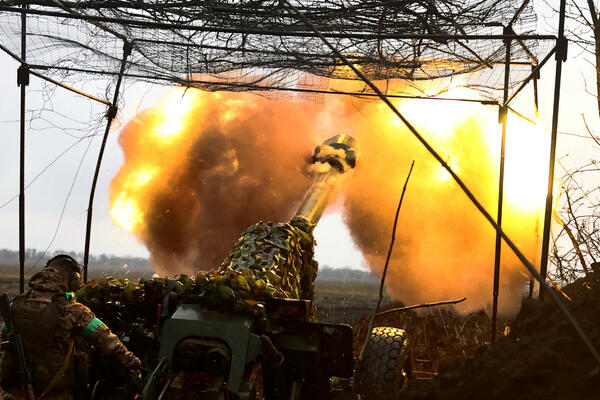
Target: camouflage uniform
<point>49,321</point>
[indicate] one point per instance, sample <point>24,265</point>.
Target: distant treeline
<point>327,273</point>
<point>103,260</point>
<point>11,257</point>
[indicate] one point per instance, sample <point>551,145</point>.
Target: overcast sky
<point>47,195</point>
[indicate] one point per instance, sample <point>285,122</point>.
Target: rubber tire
<point>385,368</point>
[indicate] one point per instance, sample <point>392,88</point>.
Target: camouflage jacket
<point>76,321</point>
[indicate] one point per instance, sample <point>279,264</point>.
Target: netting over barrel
<point>262,44</point>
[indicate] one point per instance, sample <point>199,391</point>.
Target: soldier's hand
<point>130,372</point>
<point>136,377</point>
<point>134,384</point>
<point>135,365</point>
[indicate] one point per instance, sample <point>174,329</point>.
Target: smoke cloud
<point>224,170</point>
<point>233,159</point>
<point>444,248</point>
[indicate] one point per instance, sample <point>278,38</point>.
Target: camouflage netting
<point>279,257</point>
<point>270,260</point>
<point>263,45</point>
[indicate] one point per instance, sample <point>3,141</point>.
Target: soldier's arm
<point>83,322</point>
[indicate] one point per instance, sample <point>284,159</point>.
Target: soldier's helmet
<point>68,268</point>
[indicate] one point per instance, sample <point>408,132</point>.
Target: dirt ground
<point>540,358</point>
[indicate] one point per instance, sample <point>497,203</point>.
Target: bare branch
<point>589,131</point>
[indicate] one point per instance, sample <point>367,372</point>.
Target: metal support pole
<point>537,221</point>
<point>110,115</point>
<point>535,90</point>
<point>502,117</point>
<point>22,81</point>
<point>561,56</point>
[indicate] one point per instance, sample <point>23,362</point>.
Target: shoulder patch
<point>91,327</point>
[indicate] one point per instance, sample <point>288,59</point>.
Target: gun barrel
<point>335,157</point>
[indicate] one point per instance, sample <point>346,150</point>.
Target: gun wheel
<point>384,370</point>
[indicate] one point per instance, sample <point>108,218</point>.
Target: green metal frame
<point>190,320</point>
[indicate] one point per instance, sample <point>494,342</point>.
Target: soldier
<point>50,321</point>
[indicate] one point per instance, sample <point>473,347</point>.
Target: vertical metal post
<point>110,115</point>
<point>561,56</point>
<point>535,92</point>
<point>537,220</point>
<point>534,261</point>
<point>22,81</point>
<point>502,116</point>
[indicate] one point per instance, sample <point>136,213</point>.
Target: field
<point>346,302</point>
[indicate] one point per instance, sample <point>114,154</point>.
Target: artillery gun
<point>249,329</point>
